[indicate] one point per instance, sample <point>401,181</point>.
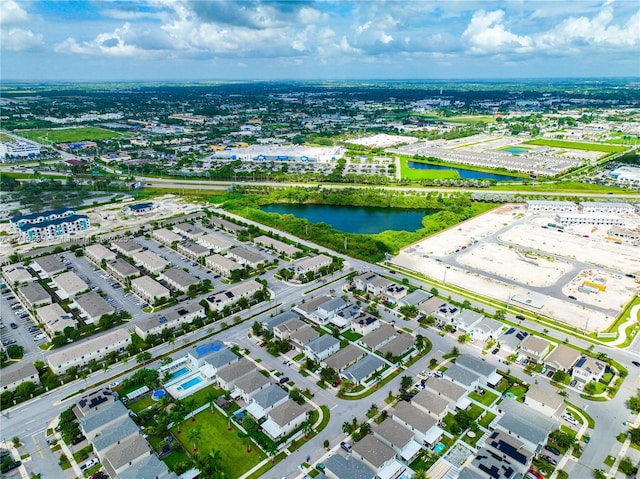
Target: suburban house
<point>47,266</point>
<point>94,401</point>
<point>96,253</point>
<point>511,339</point>
<point>487,329</point>
<point>263,401</point>
<point>211,357</point>
<point>397,437</point>
<point>415,298</point>
<point>15,274</point>
<point>303,336</point>
<point>126,247</point>
<point>192,250</point>
<point>450,390</point>
<point>510,449</point>
<point>528,426</point>
<point>588,369</point>
<point>344,358</point>
<point>170,319</point>
<point>33,295</point>
<point>248,385</point>
<point>166,237</point>
<point>321,348</point>
<point>430,306</point>
<point>284,329</point>
<point>431,403</point>
<point>283,419</point>
<point>276,245</point>
<point>363,369</point>
<point>445,314</point>
<point>487,374</point>
<point>340,467</point>
<point>246,257</point>
<point>534,348</point>
<point>308,309</point>
<point>178,279</point>
<point>345,316</point>
<point>545,400</point>
<point>149,466</point>
<point>278,319</point>
<point>124,454</point>
<point>102,419</point>
<point>398,346</point>
<point>233,294</point>
<point>488,463</point>
<point>466,320</point>
<point>365,323</point>
<point>118,432</point>
<point>149,261</point>
<point>17,374</point>
<point>379,337</point>
<point>222,265</point>
<point>149,290</point>
<point>462,377</point>
<point>376,455</point>
<point>310,265</point>
<point>223,224</point>
<point>92,307</point>
<point>394,293</point>
<point>230,374</point>
<point>122,270</point>
<point>90,349</point>
<point>423,426</point>
<point>55,319</point>
<point>372,283</point>
<point>361,281</point>
<point>68,285</point>
<point>562,358</point>
<point>188,230</point>
<point>214,242</point>
<point>327,311</point>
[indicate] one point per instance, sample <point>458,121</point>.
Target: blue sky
<point>327,39</point>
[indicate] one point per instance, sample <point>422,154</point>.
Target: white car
<point>570,419</point>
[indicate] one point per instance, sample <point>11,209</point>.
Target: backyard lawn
<point>518,390</point>
<point>475,411</point>
<point>485,399</point>
<point>214,435</point>
<point>486,419</point>
<point>351,335</point>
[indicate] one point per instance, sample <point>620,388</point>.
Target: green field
<point>70,135</point>
<point>471,119</point>
<point>4,137</point>
<point>413,174</point>
<point>576,145</point>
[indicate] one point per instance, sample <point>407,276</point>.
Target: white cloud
<point>486,34</point>
<point>18,40</point>
<point>12,13</point>
<point>114,44</point>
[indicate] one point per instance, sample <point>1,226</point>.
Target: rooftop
<point>373,450</point>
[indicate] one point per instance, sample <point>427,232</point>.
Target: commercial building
<point>55,319</point>
<point>627,175</point>
<point>98,253</point>
<point>149,289</point>
<point>97,348</point>
<point>41,217</point>
<point>170,319</point>
<point>47,266</point>
<point>48,230</point>
<point>92,307</point>
<point>18,150</point>
<point>126,247</point>
<point>606,207</point>
<point>17,273</point>
<point>140,208</point>
<point>69,285</point>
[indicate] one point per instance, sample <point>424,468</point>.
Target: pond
<point>354,219</point>
<point>515,150</point>
<point>464,174</point>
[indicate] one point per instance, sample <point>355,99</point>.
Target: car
<point>549,459</point>
<point>553,450</point>
<point>520,317</point>
<point>77,440</point>
<point>336,383</point>
<point>346,446</point>
<point>97,475</point>
<point>636,363</point>
<point>580,386</point>
<point>13,326</point>
<point>572,297</point>
<point>438,374</point>
<point>9,298</point>
<point>89,464</point>
<point>549,374</point>
<point>10,466</point>
<point>284,379</point>
<point>533,474</point>
<point>114,384</point>
<point>495,351</point>
<point>320,467</point>
<point>570,419</point>
<point>4,453</point>
<point>263,344</point>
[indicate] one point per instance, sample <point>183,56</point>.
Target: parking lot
<point>17,326</point>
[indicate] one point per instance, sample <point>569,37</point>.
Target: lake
<point>464,174</point>
<point>353,219</point>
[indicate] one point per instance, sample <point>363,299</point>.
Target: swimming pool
<point>179,372</point>
<point>439,447</point>
<point>189,384</point>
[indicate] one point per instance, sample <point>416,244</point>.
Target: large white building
<point>605,207</point>
<point>600,219</point>
<point>48,230</point>
<point>80,354</point>
<point>18,150</point>
<point>552,206</point>
<point>627,175</point>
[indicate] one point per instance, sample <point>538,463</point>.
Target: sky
<point>208,40</point>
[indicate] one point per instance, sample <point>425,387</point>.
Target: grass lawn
<point>503,385</point>
<point>518,390</point>
<point>486,419</point>
<point>576,145</point>
<point>609,460</point>
<point>475,411</point>
<point>486,399</point>
<point>214,435</point>
<point>175,458</point>
<point>449,420</point>
<point>201,397</point>
<point>414,174</point>
<point>142,404</point>
<point>351,335</point>
<point>70,135</point>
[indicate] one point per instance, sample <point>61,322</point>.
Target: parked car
<point>77,440</point>
<point>533,474</point>
<point>13,326</point>
<point>495,351</point>
<point>284,379</point>
<point>549,459</point>
<point>553,450</point>
<point>570,419</point>
<point>89,464</point>
<point>336,383</point>
<point>346,446</point>
<point>636,363</point>
<point>520,317</point>
<point>573,383</point>
<point>549,374</point>
<point>10,466</point>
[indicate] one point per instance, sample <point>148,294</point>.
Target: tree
<point>626,466</point>
<point>434,291</point>
<point>211,397</point>
<point>406,382</point>
<point>420,342</point>
<point>194,435</point>
<point>597,474</point>
<point>256,328</point>
<point>16,441</point>
<point>346,427</point>
<point>562,439</point>
<point>633,402</point>
<point>420,474</point>
<point>500,315</point>
<point>25,389</point>
<point>634,435</point>
<point>466,304</point>
<point>365,429</point>
<point>373,409</point>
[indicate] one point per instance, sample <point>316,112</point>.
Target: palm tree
<point>194,435</point>
<point>307,427</point>
<point>365,429</point>
<point>346,427</point>
<point>211,397</point>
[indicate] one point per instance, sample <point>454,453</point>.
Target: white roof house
<point>68,285</point>
<point>98,252</point>
<point>149,289</point>
<point>214,242</point>
<point>55,319</point>
<point>80,354</point>
<point>149,261</point>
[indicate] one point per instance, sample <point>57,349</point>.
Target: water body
<point>516,150</point>
<point>354,219</point>
<point>464,174</point>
